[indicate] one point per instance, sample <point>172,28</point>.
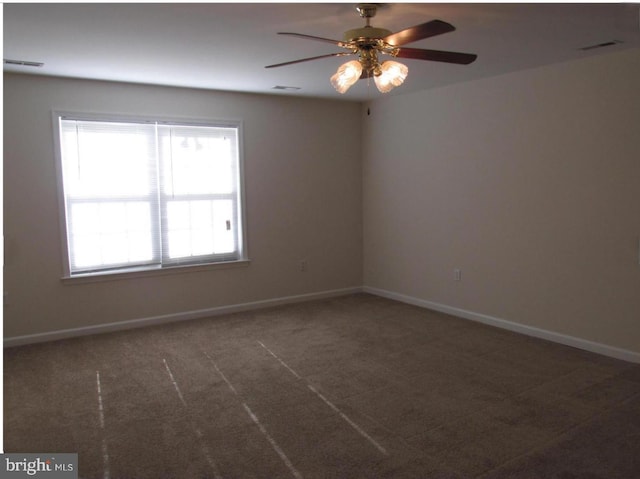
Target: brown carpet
<point>350,387</point>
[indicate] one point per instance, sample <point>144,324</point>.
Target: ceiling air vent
<point>23,63</point>
<point>601,45</point>
<point>290,88</point>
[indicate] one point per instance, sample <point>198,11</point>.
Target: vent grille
<point>281,87</point>
<point>601,45</point>
<point>23,63</point>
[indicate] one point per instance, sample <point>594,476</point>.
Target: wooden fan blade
<point>419,32</point>
<point>437,55</point>
<point>319,39</point>
<point>339,54</point>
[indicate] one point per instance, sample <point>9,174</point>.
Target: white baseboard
<point>585,344</point>
<point>168,318</point>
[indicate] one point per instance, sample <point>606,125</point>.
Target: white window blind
<point>149,194</point>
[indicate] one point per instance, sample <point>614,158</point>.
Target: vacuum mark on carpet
<point>224,378</point>
<point>105,451</point>
<point>175,385</point>
<point>196,430</point>
<point>280,360</point>
<point>257,422</point>
<point>330,404</point>
<point>273,443</point>
<point>348,420</point>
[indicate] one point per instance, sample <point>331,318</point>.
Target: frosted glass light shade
<point>347,75</point>
<point>393,75</point>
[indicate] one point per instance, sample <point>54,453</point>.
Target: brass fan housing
<point>365,33</point>
<point>367,10</point>
<point>368,41</point>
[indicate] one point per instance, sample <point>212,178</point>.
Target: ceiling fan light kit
<point>392,74</point>
<point>368,42</point>
<point>347,75</point>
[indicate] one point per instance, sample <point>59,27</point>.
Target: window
<point>149,194</point>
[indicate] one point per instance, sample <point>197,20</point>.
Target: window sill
<point>155,271</point>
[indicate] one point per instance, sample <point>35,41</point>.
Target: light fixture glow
<point>392,74</point>
<point>347,75</point>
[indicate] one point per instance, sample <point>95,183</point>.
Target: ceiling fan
<point>369,42</point>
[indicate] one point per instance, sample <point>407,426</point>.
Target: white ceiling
<point>225,46</point>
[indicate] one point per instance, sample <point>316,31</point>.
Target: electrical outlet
<point>303,265</point>
<point>457,275</point>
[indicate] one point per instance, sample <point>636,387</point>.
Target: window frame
<point>161,267</point>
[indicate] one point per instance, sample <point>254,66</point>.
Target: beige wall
<point>303,191</point>
<point>527,182</point>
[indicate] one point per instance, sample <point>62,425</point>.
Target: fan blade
<point>437,55</point>
<point>419,32</point>
<point>319,39</point>
<point>340,54</point>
